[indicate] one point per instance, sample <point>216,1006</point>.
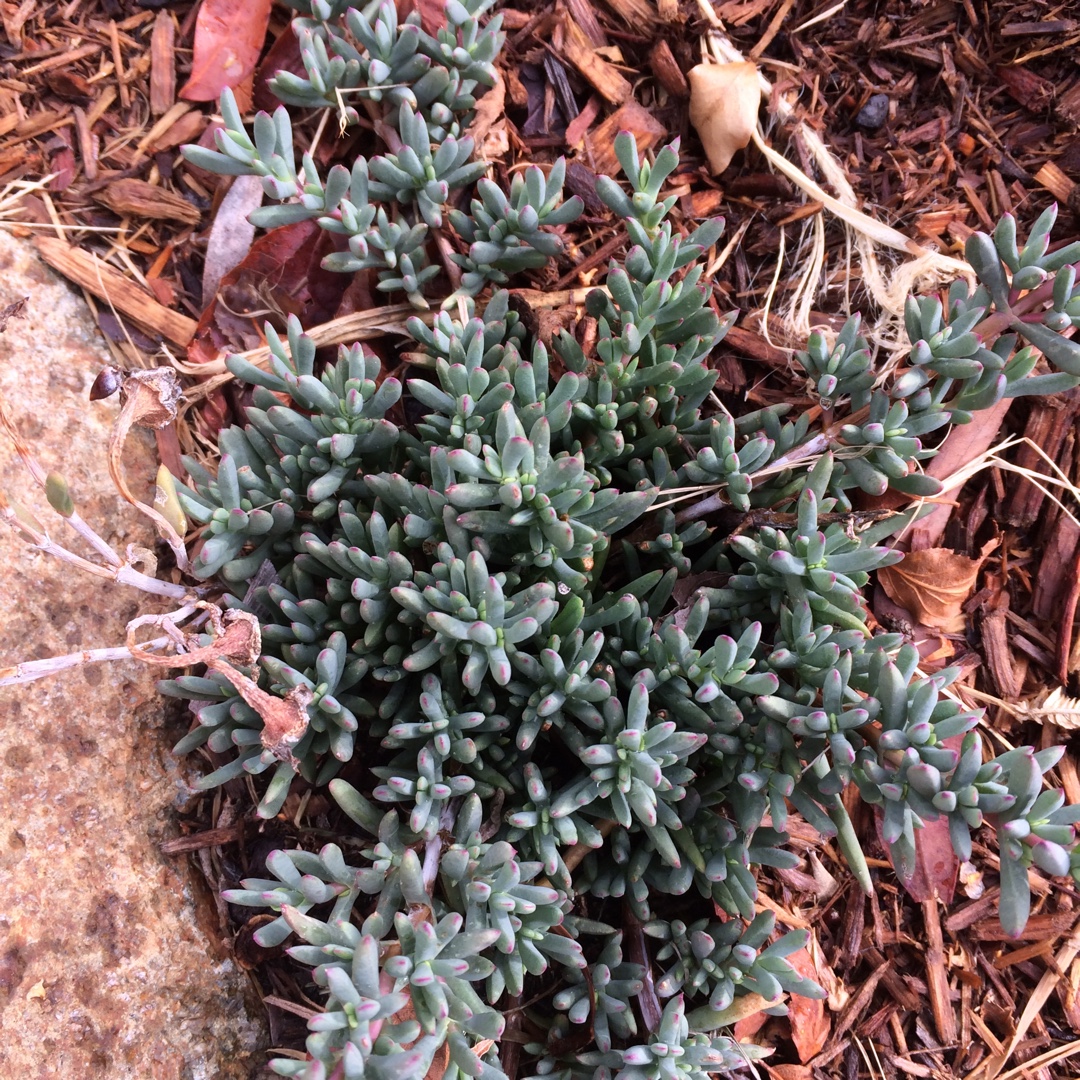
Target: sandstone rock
<point>105,968</point>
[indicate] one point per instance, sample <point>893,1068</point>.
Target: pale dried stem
<point>30,670</point>
<point>122,573</point>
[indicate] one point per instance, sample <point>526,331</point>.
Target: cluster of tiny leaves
<point>419,88</point>
<point>568,689</point>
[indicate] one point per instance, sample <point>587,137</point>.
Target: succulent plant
<point>490,583</point>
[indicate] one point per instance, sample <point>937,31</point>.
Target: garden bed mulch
<point>941,116</point>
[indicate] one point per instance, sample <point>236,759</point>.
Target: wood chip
<point>638,13</point>
<point>128,298</point>
<point>162,64</point>
<point>88,145</point>
<point>227,834</point>
<point>137,198</point>
<point>603,76</point>
<point>667,70</point>
<point>937,978</point>
<point>999,657</point>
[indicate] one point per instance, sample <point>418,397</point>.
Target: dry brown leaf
<point>228,39</point>
<point>488,129</point>
<point>1056,708</point>
<point>789,1072</point>
<point>441,1061</point>
<point>238,640</point>
<point>149,399</point>
<point>932,584</point>
<point>724,100</point>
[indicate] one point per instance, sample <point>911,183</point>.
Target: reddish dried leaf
<point>936,864</point>
<point>229,36</point>
<point>273,273</point>
<point>283,55</point>
<point>789,1072</point>
<point>809,1024</point>
<point>280,275</point>
<point>432,13</point>
<point>746,1028</point>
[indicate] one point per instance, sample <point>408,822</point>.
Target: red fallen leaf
<point>936,864</point>
<point>283,55</point>
<point>789,1072</point>
<point>809,1024</point>
<point>229,36</point>
<point>281,274</point>
<point>276,273</point>
<point>432,13</point>
<point>746,1028</point>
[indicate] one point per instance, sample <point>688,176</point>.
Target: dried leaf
<point>936,864</point>
<point>809,1024</point>
<point>724,100</point>
<point>488,129</point>
<point>167,502</point>
<point>932,585</point>
<point>441,1061</point>
<point>232,234</point>
<point>239,641</point>
<point>971,881</point>
<point>229,36</point>
<point>1056,708</point>
<point>826,977</point>
<point>746,1028</point>
<point>149,399</point>
<point>150,396</point>
<point>789,1072</point>
<point>739,1011</point>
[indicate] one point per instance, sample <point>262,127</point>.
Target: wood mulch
<point>942,115</point>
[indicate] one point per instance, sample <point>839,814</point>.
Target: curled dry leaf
<point>238,641</point>
<point>148,399</point>
<point>789,1072</point>
<point>932,585</point>
<point>971,881</point>
<point>441,1061</point>
<point>724,100</point>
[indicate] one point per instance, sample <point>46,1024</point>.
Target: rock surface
<point>109,966</point>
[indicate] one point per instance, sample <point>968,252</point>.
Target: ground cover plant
<point>582,635</point>
<point>528,590</point>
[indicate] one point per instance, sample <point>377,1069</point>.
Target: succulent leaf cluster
<point>418,88</point>
<point>553,687</point>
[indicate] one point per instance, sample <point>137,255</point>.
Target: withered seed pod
<point>107,383</point>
